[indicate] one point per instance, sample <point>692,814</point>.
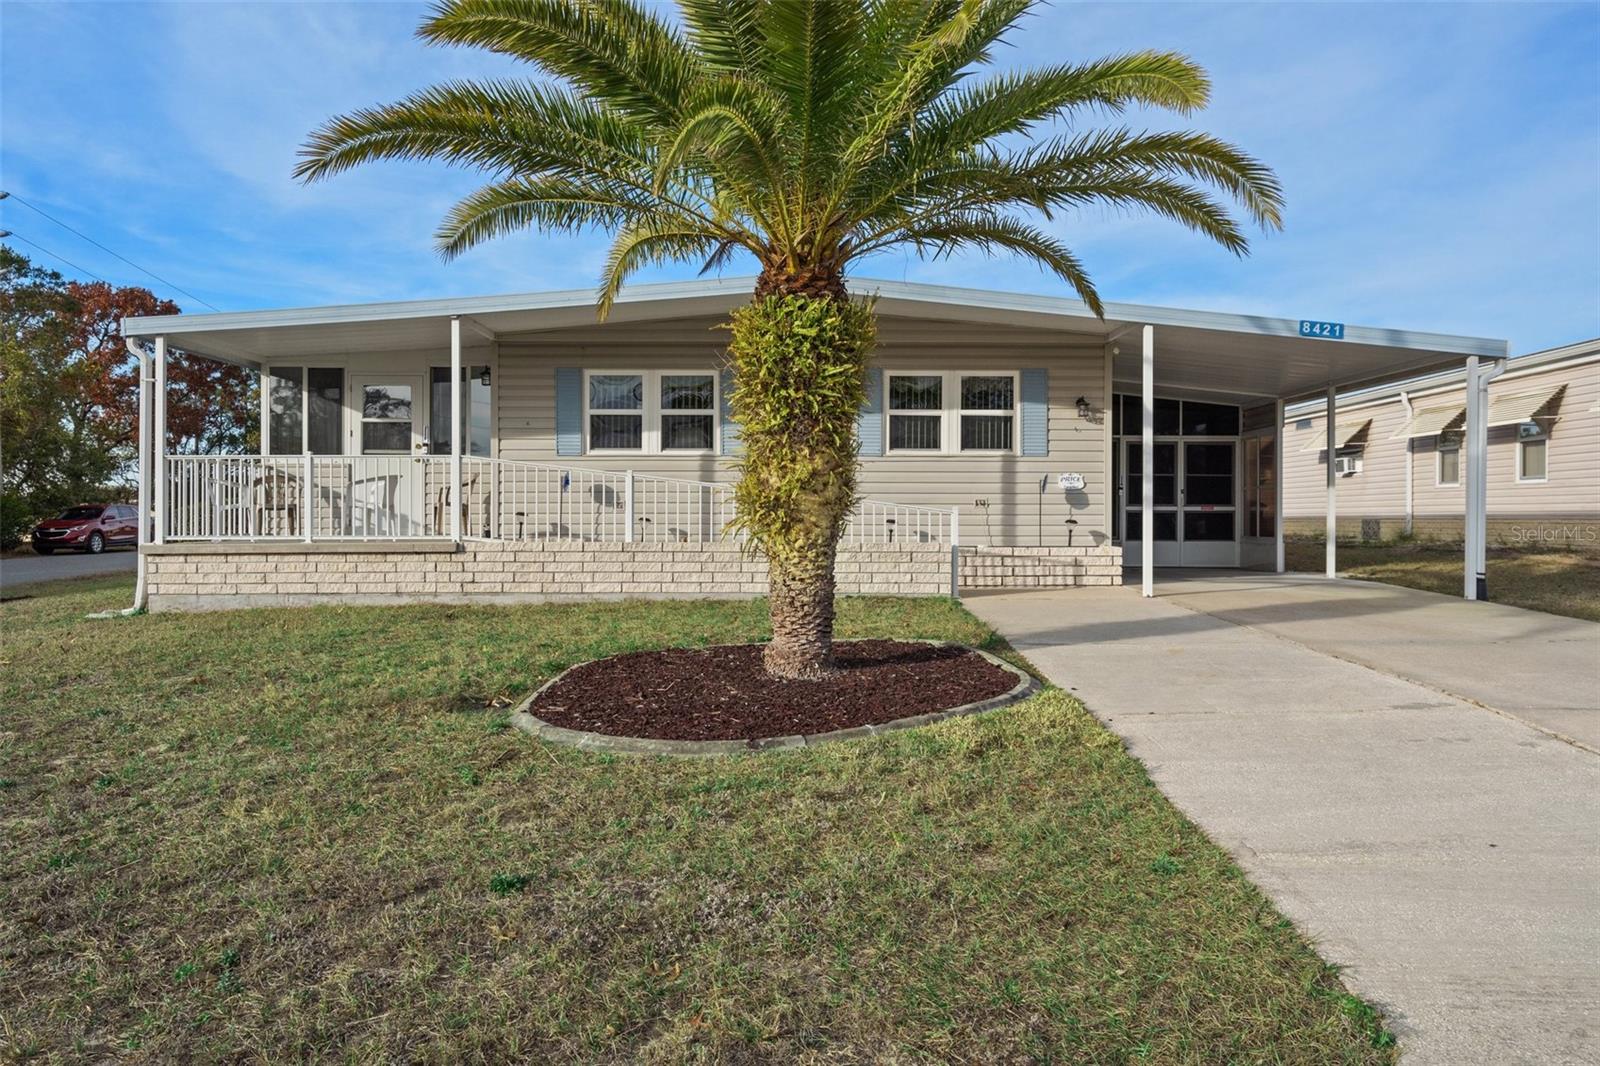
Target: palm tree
<point>807,133</point>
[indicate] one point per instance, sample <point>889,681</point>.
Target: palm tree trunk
<point>801,595</point>
<point>799,357</point>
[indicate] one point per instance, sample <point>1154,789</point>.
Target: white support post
<point>955,553</point>
<point>1475,578</point>
<point>1277,493</point>
<point>627,507</point>
<point>1411,457</point>
<point>144,474</point>
<point>456,496</point>
<point>1332,550</point>
<point>159,487</point>
<point>1475,415</point>
<point>1147,467</point>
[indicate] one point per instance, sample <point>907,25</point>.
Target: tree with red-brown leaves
<point>69,393</point>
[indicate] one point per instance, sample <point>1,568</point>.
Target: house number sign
<point>1328,331</point>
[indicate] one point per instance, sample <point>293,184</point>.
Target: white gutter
<point>145,381</point>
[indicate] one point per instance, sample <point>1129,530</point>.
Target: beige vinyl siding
<point>1379,489</point>
<point>525,384</point>
<point>1571,489</point>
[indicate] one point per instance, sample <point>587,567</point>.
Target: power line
<point>12,233</point>
<point>103,248</point>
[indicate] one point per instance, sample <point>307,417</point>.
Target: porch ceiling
<point>1199,352</point>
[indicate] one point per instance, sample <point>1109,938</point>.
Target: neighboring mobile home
<point>1399,457</point>
<point>512,448</point>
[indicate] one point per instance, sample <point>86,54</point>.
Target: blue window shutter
<point>569,410</point>
<point>730,428</point>
<point>1036,411</point>
<point>869,425</point>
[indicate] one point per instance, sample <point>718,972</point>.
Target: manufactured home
<point>512,448</point>
<point>1399,448</point>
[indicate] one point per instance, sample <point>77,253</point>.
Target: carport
<point>1256,360</point>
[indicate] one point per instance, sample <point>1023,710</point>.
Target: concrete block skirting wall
<point>233,575</point>
<point>1054,567</point>
<point>1575,532</point>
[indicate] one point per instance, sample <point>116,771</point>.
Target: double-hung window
<point>1449,458</point>
<point>652,412</point>
<point>1533,451</point>
<point>952,412</point>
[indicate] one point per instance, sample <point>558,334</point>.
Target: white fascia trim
<point>1117,314</point>
<point>1572,355</point>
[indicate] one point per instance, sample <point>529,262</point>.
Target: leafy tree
<point>807,134</point>
<point>69,391</point>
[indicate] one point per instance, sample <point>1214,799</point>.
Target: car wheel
<point>97,543</point>
<point>43,549</point>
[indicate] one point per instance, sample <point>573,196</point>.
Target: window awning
<point>1511,410</point>
<point>1343,434</point>
<point>1431,421</point>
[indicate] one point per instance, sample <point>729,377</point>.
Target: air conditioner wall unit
<point>1345,465</point>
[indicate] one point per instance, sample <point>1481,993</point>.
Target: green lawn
<point>311,834</point>
<point>1560,582</point>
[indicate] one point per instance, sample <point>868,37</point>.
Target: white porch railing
<point>394,497</point>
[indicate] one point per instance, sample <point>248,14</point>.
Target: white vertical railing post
<point>1277,493</point>
<point>955,553</point>
<point>1331,552</point>
<point>307,495</point>
<point>627,507</point>
<point>456,496</point>
<point>1147,466</point>
<point>160,487</point>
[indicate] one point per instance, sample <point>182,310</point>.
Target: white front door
<point>389,479</point>
<point>1208,528</point>
<point>1195,508</point>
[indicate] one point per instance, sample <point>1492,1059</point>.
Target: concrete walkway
<point>1542,668</point>
<point>1447,855</point>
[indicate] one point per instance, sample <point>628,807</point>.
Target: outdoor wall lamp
<point>483,378</point>
<point>1084,409</point>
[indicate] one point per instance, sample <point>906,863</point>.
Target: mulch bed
<point>724,693</point>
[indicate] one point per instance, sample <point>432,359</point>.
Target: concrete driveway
<point>1446,853</point>
<point>28,569</point>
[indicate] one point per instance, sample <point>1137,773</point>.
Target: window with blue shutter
<point>1035,411</point>
<point>869,425</point>
<point>569,410</point>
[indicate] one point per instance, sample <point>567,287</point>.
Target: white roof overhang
<point>1431,421</point>
<point>1514,409</point>
<point>1203,352</point>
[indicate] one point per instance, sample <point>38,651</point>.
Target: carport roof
<point>1245,356</point>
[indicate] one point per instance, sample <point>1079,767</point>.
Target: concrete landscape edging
<point>606,743</point>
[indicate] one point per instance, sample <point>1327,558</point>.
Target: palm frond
<point>989,232</point>
<point>548,204</point>
<point>648,242</point>
<point>612,50</point>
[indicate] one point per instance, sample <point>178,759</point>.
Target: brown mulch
<point>724,693</point>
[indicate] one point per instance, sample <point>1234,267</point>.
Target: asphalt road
<point>28,569</point>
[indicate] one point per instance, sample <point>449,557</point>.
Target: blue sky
<point>1441,161</point>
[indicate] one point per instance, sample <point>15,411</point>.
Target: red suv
<point>89,527</point>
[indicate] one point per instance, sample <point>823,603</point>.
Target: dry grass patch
<point>1540,579</point>
<point>310,834</point>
